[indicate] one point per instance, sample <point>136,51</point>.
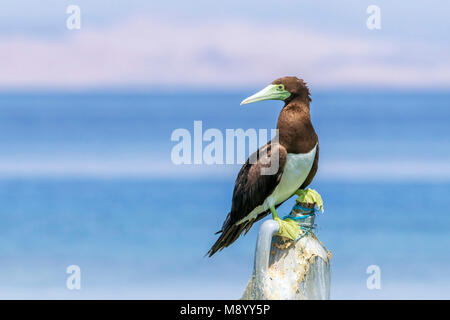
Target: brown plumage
<point>296,136</point>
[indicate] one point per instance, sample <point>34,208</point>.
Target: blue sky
<point>202,43</point>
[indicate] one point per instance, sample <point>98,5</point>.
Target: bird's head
<point>286,89</point>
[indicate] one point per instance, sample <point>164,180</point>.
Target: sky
<point>173,44</point>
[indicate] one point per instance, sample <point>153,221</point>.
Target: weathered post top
<point>290,261</point>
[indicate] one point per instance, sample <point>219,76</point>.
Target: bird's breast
<point>295,172</point>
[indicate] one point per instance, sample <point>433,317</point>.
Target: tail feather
<point>227,237</point>
<point>230,232</point>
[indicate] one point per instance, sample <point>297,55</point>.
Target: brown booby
<point>297,150</point>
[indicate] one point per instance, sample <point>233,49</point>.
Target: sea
<point>87,179</point>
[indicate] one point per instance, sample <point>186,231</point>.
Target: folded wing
<point>254,183</point>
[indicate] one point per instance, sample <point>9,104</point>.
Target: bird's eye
<point>280,87</point>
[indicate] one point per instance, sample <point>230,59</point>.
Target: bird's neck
<point>296,132</point>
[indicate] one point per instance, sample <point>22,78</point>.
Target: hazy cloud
<point>147,52</point>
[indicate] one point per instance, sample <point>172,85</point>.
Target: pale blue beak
<point>271,92</point>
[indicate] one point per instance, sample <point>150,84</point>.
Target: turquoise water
<point>145,235</point>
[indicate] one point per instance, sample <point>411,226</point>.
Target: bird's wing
<point>253,185</point>
<point>313,170</point>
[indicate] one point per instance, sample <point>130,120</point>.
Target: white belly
<point>295,172</point>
